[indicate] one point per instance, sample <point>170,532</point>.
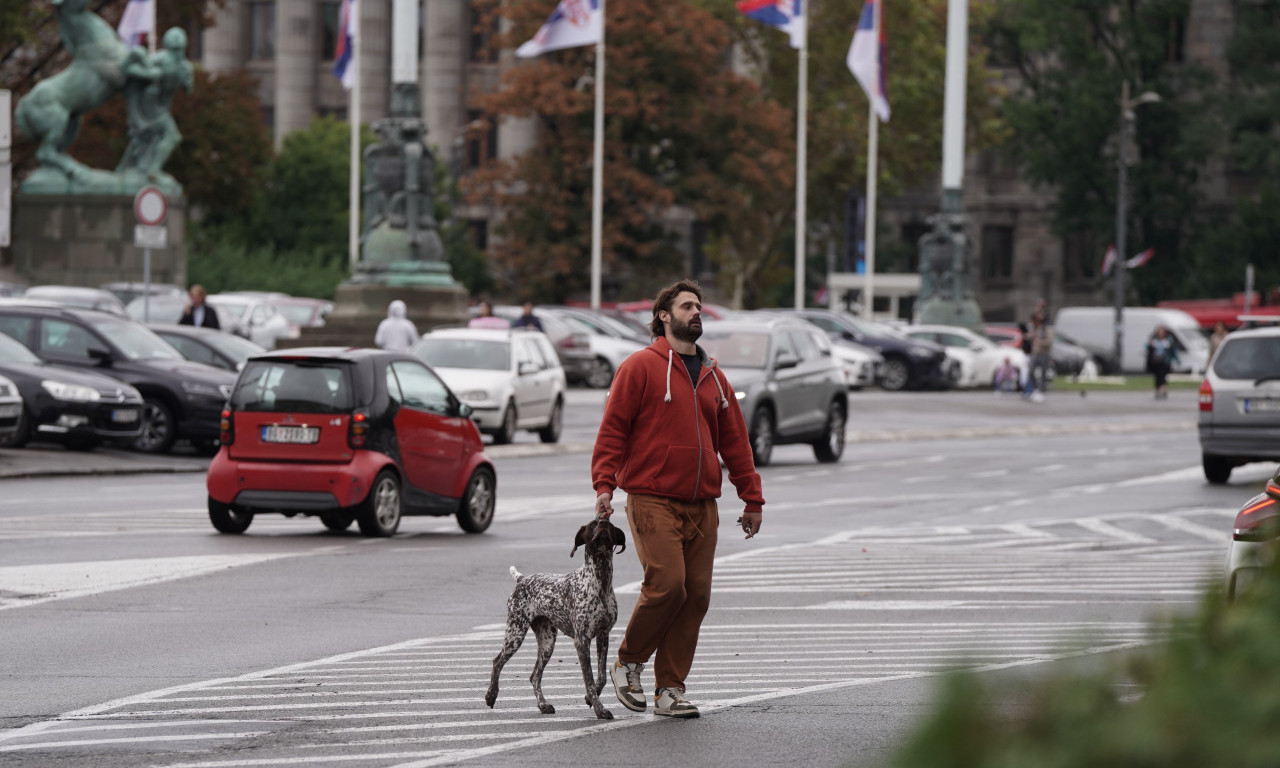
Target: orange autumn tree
<point>682,129</point>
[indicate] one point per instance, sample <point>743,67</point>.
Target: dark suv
<point>908,363</point>
<point>181,399</point>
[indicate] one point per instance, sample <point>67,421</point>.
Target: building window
<point>997,252</point>
<point>483,26</point>
<point>330,21</point>
<point>482,140</point>
<point>479,233</point>
<point>1081,256</point>
<point>262,31</point>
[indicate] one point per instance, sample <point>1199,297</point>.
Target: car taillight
<point>568,342</point>
<point>358,432</point>
<point>1258,520</point>
<point>227,427</point>
<point>1206,396</point>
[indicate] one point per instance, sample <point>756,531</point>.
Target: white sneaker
<point>626,683</point>
<point>670,702</point>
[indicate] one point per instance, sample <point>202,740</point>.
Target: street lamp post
<point>1127,119</point>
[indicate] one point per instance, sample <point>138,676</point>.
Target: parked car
<point>789,386</point>
<point>606,324</point>
<point>163,309</point>
<point>862,366</point>
<point>1240,403</point>
<point>908,363</point>
<point>512,379</point>
<point>978,356</point>
<point>8,289</point>
<point>1068,356</point>
<point>127,292</point>
<point>209,345</point>
<point>254,317</point>
<point>77,408</point>
<point>303,312</point>
<point>610,343</point>
<point>1095,329</point>
<point>347,434</point>
<point>10,409</point>
<point>1253,539</point>
<point>75,296</point>
<point>182,400</point>
<point>571,340</point>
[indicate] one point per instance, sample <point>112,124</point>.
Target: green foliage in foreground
<point>1210,697</point>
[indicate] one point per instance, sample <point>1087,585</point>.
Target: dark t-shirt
<point>693,364</point>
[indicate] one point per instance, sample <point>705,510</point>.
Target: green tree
<point>1071,59</point>
<point>671,103</point>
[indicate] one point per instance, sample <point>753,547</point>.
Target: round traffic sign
<point>150,206</point>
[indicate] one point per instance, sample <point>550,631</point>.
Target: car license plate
<point>1262,405</point>
<point>125,416</point>
<point>275,434</point>
<point>9,411</point>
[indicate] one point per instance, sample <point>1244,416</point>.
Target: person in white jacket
<point>397,332</point>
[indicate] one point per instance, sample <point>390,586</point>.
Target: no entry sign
<point>150,206</point>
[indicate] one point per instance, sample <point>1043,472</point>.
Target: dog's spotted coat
<point>580,604</point>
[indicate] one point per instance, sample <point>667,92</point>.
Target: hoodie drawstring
<point>667,399</point>
<point>724,401</point>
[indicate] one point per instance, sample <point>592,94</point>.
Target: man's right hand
<point>604,506</point>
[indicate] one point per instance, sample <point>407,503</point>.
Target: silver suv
<point>1240,403</point>
<point>790,387</point>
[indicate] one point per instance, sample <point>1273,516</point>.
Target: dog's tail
<point>515,574</point>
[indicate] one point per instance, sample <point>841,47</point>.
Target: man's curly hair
<point>666,297</point>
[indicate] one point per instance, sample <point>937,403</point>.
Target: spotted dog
<point>580,604</point>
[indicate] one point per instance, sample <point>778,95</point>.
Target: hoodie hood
<point>396,309</point>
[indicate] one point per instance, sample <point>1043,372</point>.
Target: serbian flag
<point>786,15</point>
<point>866,60</point>
<point>135,23</point>
<point>348,22</point>
<point>1141,258</point>
<point>1108,260</point>
<point>573,23</point>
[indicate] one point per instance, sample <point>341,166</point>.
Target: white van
<point>1094,328</point>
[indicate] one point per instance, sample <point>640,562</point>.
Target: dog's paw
<point>491,697</point>
<point>604,714</point>
<point>546,709</point>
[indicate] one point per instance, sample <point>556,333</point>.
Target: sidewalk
<point>874,416</point>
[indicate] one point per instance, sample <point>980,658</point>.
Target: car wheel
<point>22,435</point>
<point>337,521</point>
<point>762,436</point>
<point>159,427</point>
<point>507,432</point>
<point>475,509</point>
<point>896,374</point>
<point>379,513</point>
<point>830,448</point>
<point>599,374</point>
<point>551,432</point>
<point>1217,469</point>
<point>228,518</point>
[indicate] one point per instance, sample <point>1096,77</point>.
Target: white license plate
<point>9,411</point>
<point>1263,405</point>
<point>125,416</point>
<point>274,434</point>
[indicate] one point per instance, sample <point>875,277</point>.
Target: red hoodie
<point>660,436</point>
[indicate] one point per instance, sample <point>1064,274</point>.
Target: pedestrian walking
<point>670,411</point>
<point>527,319</point>
<point>1162,354</point>
<point>486,318</point>
<point>197,312</point>
<point>1215,339</point>
<point>1040,342</point>
<point>397,332</point>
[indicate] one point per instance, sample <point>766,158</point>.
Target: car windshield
<point>476,354</point>
<point>869,328</point>
<point>737,349</point>
<point>136,342</point>
<point>294,386</point>
<point>298,314</point>
<point>237,307</point>
<point>1252,358</point>
<point>11,351</point>
<point>235,347</point>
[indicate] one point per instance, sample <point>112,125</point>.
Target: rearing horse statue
<point>101,63</point>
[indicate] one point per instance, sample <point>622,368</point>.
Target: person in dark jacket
<point>670,417</point>
<point>197,312</point>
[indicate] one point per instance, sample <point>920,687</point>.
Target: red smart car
<point>347,435</point>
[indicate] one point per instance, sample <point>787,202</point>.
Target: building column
<point>297,57</point>
<point>445,52</point>
<point>221,45</point>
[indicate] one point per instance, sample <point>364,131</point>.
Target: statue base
<point>406,273</point>
<point>87,240</point>
<point>91,181</point>
<point>962,312</point>
<point>361,303</point>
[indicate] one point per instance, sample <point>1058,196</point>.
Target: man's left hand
<point>750,522</point>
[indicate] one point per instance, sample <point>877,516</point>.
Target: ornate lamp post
<point>1127,119</point>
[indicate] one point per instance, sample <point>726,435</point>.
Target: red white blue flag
<point>135,24</point>
<point>866,59</point>
<point>573,23</point>
<point>1108,260</point>
<point>786,15</point>
<point>1141,258</point>
<point>343,67</point>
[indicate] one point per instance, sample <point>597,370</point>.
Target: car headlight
<point>740,395</point>
<point>75,393</point>
<point>200,389</point>
<point>474,395</point>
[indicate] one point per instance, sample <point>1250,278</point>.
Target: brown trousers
<point>676,544</point>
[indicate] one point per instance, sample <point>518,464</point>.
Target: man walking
<point>669,412</point>
<point>197,312</point>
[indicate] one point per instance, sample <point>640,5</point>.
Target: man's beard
<point>689,332</point>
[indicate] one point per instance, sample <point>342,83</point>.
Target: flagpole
<point>597,169</point>
<point>802,110</point>
<point>353,119</point>
<point>873,164</point>
<point>151,36</point>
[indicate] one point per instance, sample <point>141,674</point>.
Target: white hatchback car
<point>511,378</point>
<point>978,356</point>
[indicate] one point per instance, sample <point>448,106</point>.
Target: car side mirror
<point>464,410</point>
<point>101,356</point>
<point>526,368</point>
<point>785,361</point>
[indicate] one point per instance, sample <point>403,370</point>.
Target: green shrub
<point>228,266</point>
<point>1209,697</point>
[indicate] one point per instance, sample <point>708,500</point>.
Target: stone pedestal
<point>87,240</point>
<point>359,307</point>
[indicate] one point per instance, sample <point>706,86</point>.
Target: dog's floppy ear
<point>579,540</point>
<point>619,539</point>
